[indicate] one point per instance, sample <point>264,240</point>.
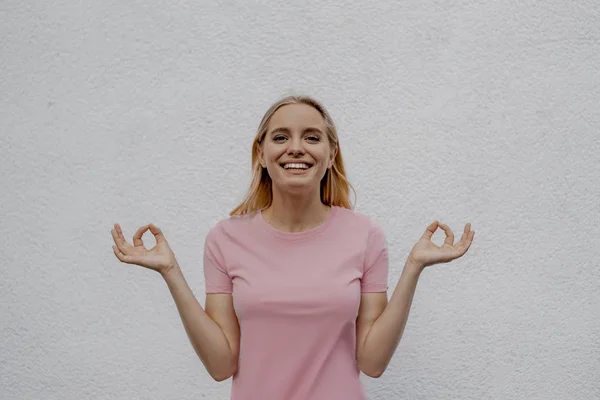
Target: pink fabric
<point>296,296</point>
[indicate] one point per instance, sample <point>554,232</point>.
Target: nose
<point>295,148</point>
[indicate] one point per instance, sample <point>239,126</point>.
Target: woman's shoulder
<point>356,218</point>
<point>232,224</point>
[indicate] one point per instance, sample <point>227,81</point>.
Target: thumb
<point>158,235</point>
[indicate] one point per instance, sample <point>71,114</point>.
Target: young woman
<point>296,281</point>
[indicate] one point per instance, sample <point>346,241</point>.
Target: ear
<point>260,156</point>
<point>333,155</point>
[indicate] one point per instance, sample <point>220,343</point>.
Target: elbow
<point>221,376</point>
<point>372,373</point>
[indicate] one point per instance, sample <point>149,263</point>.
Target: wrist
<point>171,270</point>
<point>413,266</point>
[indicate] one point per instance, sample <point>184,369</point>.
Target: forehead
<point>296,115</point>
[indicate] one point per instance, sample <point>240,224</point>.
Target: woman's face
<point>296,150</point>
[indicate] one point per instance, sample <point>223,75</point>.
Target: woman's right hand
<point>160,258</point>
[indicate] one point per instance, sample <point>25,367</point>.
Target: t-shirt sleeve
<point>376,262</point>
<point>216,278</point>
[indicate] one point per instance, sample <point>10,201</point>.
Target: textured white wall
<point>137,112</point>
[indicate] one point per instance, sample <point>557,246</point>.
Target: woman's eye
<point>312,138</point>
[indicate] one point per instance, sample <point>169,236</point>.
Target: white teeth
<point>292,165</point>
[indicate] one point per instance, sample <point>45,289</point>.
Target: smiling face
<point>296,150</point>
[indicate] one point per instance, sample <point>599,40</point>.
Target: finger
<point>122,257</point>
<point>466,233</point>
<point>466,240</point>
<point>449,235</point>
<point>137,238</point>
<point>471,234</point>
<point>119,230</point>
<point>430,230</point>
<point>158,235</point>
<point>118,238</point>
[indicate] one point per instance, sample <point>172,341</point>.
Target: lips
<point>295,171</point>
<point>295,162</point>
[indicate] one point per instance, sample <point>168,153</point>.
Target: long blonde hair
<point>335,187</point>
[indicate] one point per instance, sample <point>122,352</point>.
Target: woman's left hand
<point>425,253</point>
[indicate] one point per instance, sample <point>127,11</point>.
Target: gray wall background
<point>464,111</point>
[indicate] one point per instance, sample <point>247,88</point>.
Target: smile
<point>295,167</point>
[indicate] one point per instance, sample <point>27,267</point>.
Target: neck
<point>296,213</point>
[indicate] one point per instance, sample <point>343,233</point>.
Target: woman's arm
<point>380,324</point>
<point>214,333</point>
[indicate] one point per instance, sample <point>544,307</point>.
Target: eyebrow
<point>286,130</point>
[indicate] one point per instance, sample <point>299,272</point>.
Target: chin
<point>298,187</point>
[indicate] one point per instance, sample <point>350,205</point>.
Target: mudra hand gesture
<point>160,258</point>
<point>425,253</point>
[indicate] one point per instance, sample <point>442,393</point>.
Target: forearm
<point>385,333</point>
<point>206,337</point>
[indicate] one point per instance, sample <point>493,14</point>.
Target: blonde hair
<point>335,187</point>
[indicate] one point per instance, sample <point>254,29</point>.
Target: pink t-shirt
<point>296,296</point>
